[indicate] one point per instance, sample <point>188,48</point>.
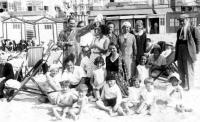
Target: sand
<point>26,108</point>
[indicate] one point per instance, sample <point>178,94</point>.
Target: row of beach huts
<point>40,28</point>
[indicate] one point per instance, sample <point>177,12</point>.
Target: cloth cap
<point>128,24</point>
<point>175,75</point>
<point>139,24</point>
<point>169,43</point>
<point>183,16</point>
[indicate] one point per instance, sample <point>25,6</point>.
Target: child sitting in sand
<point>98,77</point>
<point>134,96</point>
<point>111,97</point>
<point>147,98</point>
<point>176,93</point>
<point>64,100</point>
<point>78,107</point>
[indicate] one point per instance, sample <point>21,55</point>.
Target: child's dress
<point>99,76</point>
<point>176,97</point>
<point>143,73</point>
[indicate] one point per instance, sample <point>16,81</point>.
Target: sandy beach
<point>25,107</point>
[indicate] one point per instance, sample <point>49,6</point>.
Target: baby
<point>78,107</point>
<point>134,97</point>
<point>176,94</point>
<point>147,98</point>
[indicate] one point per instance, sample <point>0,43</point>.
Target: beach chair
<point>169,68</point>
<point>29,76</point>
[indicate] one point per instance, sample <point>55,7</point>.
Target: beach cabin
<point>48,29</point>
<point>16,29</point>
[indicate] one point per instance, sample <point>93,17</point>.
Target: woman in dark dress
<point>115,66</point>
<point>140,35</point>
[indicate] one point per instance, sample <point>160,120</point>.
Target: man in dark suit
<point>187,46</point>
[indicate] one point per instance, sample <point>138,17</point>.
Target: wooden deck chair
<point>29,76</point>
<point>170,66</point>
<point>34,54</point>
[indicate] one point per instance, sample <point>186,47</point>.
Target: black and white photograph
<point>99,60</point>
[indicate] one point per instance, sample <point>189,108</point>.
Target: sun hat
<point>148,80</point>
<point>82,87</point>
<point>53,66</point>
<point>175,75</point>
<point>126,23</point>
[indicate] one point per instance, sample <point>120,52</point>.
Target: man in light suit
<point>187,46</point>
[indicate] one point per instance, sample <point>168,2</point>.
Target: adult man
<point>111,35</point>
<point>187,46</point>
<point>67,39</point>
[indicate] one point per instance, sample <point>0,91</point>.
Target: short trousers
<point>110,102</point>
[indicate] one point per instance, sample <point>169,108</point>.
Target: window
<point>171,22</point>
<point>112,0</point>
<point>162,2</point>
<point>30,8</point>
<point>46,8</point>
<point>4,5</point>
<point>162,21</point>
<point>16,26</point>
<point>193,21</point>
<point>176,22</point>
<point>47,27</point>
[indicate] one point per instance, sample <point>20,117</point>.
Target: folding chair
<point>29,76</point>
<point>170,66</point>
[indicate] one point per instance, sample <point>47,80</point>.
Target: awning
<point>122,12</point>
<point>163,10</point>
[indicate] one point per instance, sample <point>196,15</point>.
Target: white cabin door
<point>46,32</point>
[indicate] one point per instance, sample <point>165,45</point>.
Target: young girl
<point>98,76</point>
<point>147,98</point>
<point>111,97</point>
<point>175,93</point>
<point>142,72</point>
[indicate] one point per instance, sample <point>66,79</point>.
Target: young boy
<point>175,93</point>
<point>147,98</point>
<point>134,96</point>
<point>111,97</point>
<point>64,100</point>
<point>78,107</point>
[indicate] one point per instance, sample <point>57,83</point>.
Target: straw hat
<point>183,16</point>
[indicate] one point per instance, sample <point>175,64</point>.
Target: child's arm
<point>119,99</point>
<point>83,104</point>
<point>92,81</point>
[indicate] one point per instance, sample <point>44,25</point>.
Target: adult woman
<point>115,65</point>
<point>128,49</point>
<point>100,43</point>
<point>140,36</point>
<point>156,61</point>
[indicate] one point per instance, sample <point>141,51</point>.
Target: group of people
<point>104,66</point>
<point>116,71</point>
